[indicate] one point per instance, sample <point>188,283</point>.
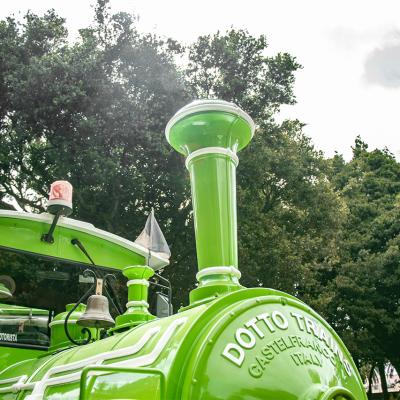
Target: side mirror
<point>163,306</point>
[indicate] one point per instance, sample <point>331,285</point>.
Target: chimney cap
<point>205,106</point>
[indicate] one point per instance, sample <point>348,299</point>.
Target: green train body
<point>230,342</point>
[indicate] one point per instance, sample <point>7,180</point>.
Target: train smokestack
<point>210,133</point>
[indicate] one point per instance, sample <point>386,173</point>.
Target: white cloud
<point>382,65</point>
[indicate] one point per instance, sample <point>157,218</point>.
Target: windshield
<point>41,289</point>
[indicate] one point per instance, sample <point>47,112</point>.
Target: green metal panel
<point>284,359</point>
<point>269,346</point>
<point>137,307</point>
<point>153,344</point>
<point>215,209</point>
<point>23,234</point>
<point>13,355</point>
<point>209,129</point>
<point>126,383</point>
<point>213,179</point>
<point>210,133</point>
<point>59,338</point>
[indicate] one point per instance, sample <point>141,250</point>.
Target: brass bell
<point>97,314</point>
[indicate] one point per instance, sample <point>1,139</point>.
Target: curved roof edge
<point>156,261</point>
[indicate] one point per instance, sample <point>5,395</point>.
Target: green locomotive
<point>229,343</point>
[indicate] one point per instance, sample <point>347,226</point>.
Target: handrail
<point>87,372</point>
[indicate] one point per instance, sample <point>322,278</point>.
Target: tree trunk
<point>381,368</point>
<point>370,377</point>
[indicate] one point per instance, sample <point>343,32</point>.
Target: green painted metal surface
<point>231,342</point>
<point>215,209</point>
<point>12,355</point>
<point>251,344</point>
<point>124,381</point>
<point>25,235</point>
<point>193,129</point>
<point>137,307</point>
<point>269,347</point>
<point>59,338</point>
<point>210,133</point>
<point>213,178</point>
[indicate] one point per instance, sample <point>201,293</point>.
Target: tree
<point>94,111</point>
<point>287,210</point>
<point>362,295</point>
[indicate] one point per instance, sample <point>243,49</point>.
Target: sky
<point>350,52</point>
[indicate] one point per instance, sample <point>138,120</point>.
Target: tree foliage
<point>368,285</point>
<point>359,291</point>
<point>92,112</point>
<point>286,207</point>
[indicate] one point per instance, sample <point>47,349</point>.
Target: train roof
<point>23,231</point>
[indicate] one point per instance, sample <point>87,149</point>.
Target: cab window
<point>42,287</point>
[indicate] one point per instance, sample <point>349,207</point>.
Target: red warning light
<point>60,197</point>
